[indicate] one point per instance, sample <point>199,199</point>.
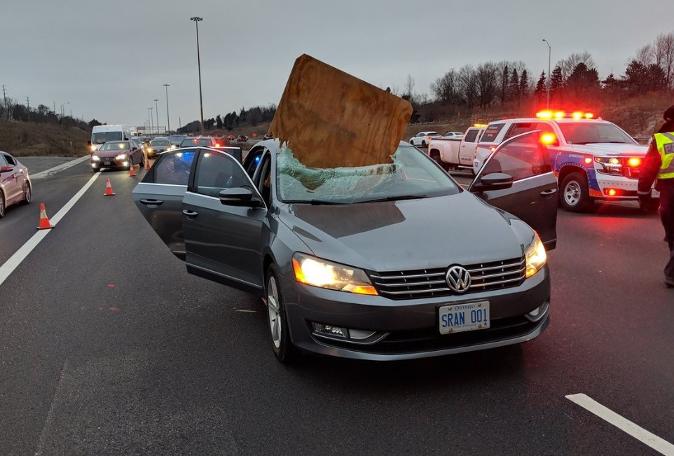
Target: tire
<point>575,194</point>
<point>27,194</point>
<point>435,155</point>
<point>423,143</point>
<point>3,208</point>
<point>277,322</point>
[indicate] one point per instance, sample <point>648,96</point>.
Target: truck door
<point>533,194</point>
<point>467,148</point>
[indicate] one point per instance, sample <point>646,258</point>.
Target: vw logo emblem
<point>458,279</point>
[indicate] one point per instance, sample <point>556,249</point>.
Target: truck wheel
<point>575,194</point>
<point>435,155</point>
<point>423,143</point>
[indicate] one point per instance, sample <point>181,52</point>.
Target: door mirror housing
<point>493,181</point>
<point>239,196</point>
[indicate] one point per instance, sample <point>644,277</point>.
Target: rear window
<point>491,132</point>
<point>172,169</point>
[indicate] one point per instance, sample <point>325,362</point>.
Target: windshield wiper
<point>393,198</point>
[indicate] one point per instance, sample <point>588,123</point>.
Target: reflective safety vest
<point>665,144</point>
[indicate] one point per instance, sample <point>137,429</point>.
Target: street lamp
<point>201,102</point>
<point>156,113</point>
<point>168,118</point>
<point>549,76</point>
<point>149,111</point>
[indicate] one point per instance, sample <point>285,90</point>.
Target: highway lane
<point>108,347</point>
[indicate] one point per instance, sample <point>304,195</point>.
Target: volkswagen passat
<point>381,262</point>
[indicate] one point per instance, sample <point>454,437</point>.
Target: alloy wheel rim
<point>2,206</point>
<point>274,312</point>
<point>572,193</point>
<point>27,194</point>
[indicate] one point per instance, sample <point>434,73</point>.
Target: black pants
<point>667,216</point>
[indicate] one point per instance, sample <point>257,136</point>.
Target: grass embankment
<point>29,138</point>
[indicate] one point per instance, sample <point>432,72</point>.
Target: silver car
<point>15,185</point>
<point>383,262</point>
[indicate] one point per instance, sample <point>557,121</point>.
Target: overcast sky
<point>109,59</point>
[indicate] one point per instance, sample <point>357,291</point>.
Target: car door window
<point>491,132</point>
<point>470,136</point>
<point>3,162</point>
<point>520,158</point>
<point>171,169</point>
<point>218,171</point>
<point>10,160</point>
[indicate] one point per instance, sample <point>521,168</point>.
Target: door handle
<point>151,202</point>
<point>190,214</point>
<point>550,192</point>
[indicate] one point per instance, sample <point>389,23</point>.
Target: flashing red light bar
<point>548,114</point>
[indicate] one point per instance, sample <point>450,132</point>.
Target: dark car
<point>175,140</point>
<point>157,146</point>
<point>15,185</point>
<point>117,154</point>
<point>384,262</point>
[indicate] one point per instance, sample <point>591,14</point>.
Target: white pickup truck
<point>456,153</point>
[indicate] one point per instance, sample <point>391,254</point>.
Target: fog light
<point>538,313</point>
<point>93,165</point>
<point>330,331</point>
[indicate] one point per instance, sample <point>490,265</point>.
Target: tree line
<point>244,118</point>
<point>10,110</point>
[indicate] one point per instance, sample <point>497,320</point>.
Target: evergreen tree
<point>514,90</point>
<point>540,86</point>
<point>218,122</point>
<point>524,84</point>
<point>505,75</point>
<point>557,84</point>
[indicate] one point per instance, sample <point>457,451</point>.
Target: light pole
<point>168,118</point>
<point>201,102</point>
<point>149,111</point>
<point>549,75</point>
<point>156,113</point>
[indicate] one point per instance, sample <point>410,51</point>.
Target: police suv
<point>593,159</point>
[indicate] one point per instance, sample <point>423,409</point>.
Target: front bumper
<point>408,329</point>
<point>625,188</point>
<point>110,163</point>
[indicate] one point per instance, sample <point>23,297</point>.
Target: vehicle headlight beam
<point>333,276</point>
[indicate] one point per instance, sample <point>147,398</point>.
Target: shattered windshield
<point>411,175</point>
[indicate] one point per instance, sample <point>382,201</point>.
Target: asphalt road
<point>107,347</point>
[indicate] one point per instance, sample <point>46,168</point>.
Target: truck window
<point>523,157</point>
<point>471,136</point>
<point>491,132</point>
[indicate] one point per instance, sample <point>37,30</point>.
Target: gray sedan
<point>385,262</point>
<point>15,185</point>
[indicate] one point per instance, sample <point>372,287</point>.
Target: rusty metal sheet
<point>330,119</point>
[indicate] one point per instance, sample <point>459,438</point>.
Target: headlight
<point>609,165</point>
<point>92,147</point>
<point>95,158</point>
<point>326,274</point>
<point>536,256</point>
<point>120,157</point>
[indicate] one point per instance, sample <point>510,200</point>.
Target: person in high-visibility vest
<point>659,164</point>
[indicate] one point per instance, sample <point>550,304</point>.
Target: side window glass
<point>252,161</point>
<point>491,132</point>
<point>2,160</point>
<point>10,160</point>
<point>264,184</point>
<point>173,168</point>
<point>521,158</point>
<point>518,129</point>
<point>471,136</point>
<point>218,171</point>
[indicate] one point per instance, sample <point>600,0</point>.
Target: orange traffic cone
<point>108,188</point>
<point>133,171</point>
<point>44,224</point>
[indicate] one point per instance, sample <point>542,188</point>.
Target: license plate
<point>469,316</point>
<point>106,162</point>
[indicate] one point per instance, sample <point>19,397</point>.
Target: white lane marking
<point>15,260</point>
<point>58,168</point>
<point>658,444</point>
<point>50,415</point>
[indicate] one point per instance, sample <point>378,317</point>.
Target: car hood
<point>611,149</point>
<point>110,153</point>
<point>409,234</point>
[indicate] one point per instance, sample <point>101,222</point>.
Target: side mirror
<point>6,168</point>
<point>238,196</point>
<point>493,181</point>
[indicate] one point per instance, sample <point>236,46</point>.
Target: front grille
<point>428,283</point>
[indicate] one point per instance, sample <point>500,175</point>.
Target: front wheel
<point>278,323</point>
<point>2,205</point>
<point>575,194</point>
<point>27,194</point>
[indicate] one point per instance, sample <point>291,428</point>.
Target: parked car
<point>457,151</point>
<point>423,138</point>
<point>15,184</point>
<point>157,146</point>
<point>117,154</point>
<point>452,134</point>
<point>385,262</point>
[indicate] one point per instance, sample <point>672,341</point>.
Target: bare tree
<point>486,74</point>
<point>446,87</point>
<point>663,50</point>
<point>568,64</point>
<point>645,55</point>
<point>467,83</point>
<point>409,88</point>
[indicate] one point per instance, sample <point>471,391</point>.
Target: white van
<point>101,134</point>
